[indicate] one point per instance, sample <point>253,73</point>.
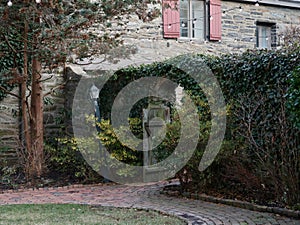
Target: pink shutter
<point>215,20</point>
<point>171,18</point>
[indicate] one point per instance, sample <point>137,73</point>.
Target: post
<point>94,93</point>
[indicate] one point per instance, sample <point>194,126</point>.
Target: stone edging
<point>239,204</point>
<point>51,188</point>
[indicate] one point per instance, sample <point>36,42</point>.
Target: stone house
<point>206,26</point>
<point>185,26</point>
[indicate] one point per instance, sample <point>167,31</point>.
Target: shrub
<point>261,147</point>
<point>258,84</point>
<point>261,141</point>
<point>10,171</point>
<point>66,155</point>
<point>65,160</point>
<point>293,97</point>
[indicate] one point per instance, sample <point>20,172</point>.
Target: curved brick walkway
<point>146,197</point>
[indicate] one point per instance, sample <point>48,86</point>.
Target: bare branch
<point>55,88</point>
<point>10,93</point>
<point>91,62</point>
<point>9,45</point>
<point>49,78</point>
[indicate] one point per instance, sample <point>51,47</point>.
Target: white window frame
<point>265,35</point>
<point>189,22</point>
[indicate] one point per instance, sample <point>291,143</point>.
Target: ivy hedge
<point>293,96</point>
<point>8,61</point>
<point>260,152</point>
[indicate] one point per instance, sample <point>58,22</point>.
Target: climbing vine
<point>262,142</point>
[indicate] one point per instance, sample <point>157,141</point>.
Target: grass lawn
<point>80,214</point>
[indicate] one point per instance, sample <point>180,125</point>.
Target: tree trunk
<point>24,106</point>
<point>32,116</point>
<point>36,122</point>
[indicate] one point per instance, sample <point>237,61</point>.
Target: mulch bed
<point>237,192</point>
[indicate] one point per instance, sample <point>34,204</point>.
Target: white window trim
<point>259,27</point>
<point>205,24</point>
<point>260,38</point>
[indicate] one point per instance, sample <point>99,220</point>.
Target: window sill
<point>193,40</point>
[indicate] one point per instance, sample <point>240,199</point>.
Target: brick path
<point>147,197</point>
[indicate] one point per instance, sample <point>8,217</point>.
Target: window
<point>192,19</point>
<point>265,35</point>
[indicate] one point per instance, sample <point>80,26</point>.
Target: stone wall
<point>9,127</point>
<point>239,26</point>
<point>70,87</point>
<point>54,102</point>
<point>238,34</point>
